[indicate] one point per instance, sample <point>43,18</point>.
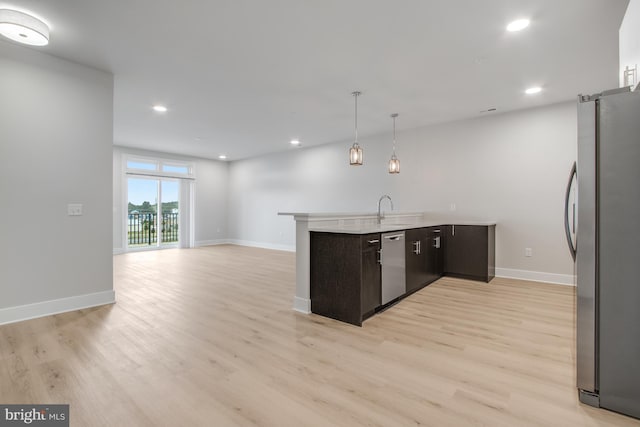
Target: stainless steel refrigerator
<point>604,238</point>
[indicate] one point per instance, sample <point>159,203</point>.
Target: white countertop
<point>367,222</point>
<point>347,215</point>
<point>383,228</point>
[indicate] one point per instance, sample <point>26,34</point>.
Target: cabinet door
<point>417,258</point>
<point>466,251</point>
<point>434,258</point>
<point>371,273</point>
<point>439,237</point>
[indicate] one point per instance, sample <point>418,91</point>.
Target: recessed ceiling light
<point>159,108</point>
<point>23,28</point>
<point>518,25</point>
<point>295,142</point>
<point>532,90</point>
<point>222,157</point>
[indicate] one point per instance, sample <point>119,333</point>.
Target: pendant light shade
<point>355,155</point>
<point>394,163</point>
<point>355,152</point>
<point>23,28</point>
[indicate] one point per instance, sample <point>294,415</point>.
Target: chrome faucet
<point>381,215</point>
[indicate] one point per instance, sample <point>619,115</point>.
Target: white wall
<point>210,207</point>
<point>511,168</point>
<point>211,201</point>
<point>630,38</point>
<point>56,133</point>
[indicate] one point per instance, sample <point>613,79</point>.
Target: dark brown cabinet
<point>436,253</point>
<point>470,251</point>
<point>438,245</point>
<point>371,273</point>
<point>423,257</point>
<point>416,258</point>
<point>345,275</point>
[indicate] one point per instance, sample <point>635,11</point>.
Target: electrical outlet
<point>74,209</point>
<point>528,252</point>
<point>452,207</point>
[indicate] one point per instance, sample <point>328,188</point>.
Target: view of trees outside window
<point>145,227</point>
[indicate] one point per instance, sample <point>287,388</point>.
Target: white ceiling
<point>243,77</point>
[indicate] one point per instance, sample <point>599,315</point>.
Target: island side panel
<point>491,250</point>
<point>336,276</point>
<point>302,299</point>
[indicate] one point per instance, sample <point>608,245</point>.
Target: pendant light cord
<point>394,135</point>
<point>356,117</point>
<point>393,116</point>
<point>355,94</point>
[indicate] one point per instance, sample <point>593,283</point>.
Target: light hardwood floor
<point>207,337</point>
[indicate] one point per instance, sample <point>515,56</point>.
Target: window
<point>147,166</point>
<point>159,198</point>
<point>176,169</point>
<point>159,167</point>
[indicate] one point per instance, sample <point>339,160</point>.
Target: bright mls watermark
<point>36,415</point>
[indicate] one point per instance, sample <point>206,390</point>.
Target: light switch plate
<point>74,209</point>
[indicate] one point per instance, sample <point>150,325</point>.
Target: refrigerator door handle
<point>567,228</point>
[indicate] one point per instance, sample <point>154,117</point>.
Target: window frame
<point>160,164</point>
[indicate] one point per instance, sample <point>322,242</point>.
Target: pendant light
<point>394,163</point>
<point>355,152</point>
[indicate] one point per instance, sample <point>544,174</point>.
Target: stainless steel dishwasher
<point>393,267</point>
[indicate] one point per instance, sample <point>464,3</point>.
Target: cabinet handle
<point>373,241</point>
<point>453,230</point>
<point>416,247</point>
<point>380,258</point>
<point>436,231</point>
<point>436,242</point>
<point>394,237</point>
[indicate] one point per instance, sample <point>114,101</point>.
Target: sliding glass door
<point>153,212</point>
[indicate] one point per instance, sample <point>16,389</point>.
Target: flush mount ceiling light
<point>394,163</point>
<point>23,28</point>
<point>355,152</point>
<point>518,25</point>
<point>533,90</point>
<point>295,142</point>
<point>222,157</point>
<point>159,108</point>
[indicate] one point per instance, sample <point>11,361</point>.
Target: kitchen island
<point>345,266</point>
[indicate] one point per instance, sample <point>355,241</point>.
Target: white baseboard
<point>56,306</point>
<point>537,276</point>
<point>201,243</point>
<point>303,305</point>
<point>288,248</point>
